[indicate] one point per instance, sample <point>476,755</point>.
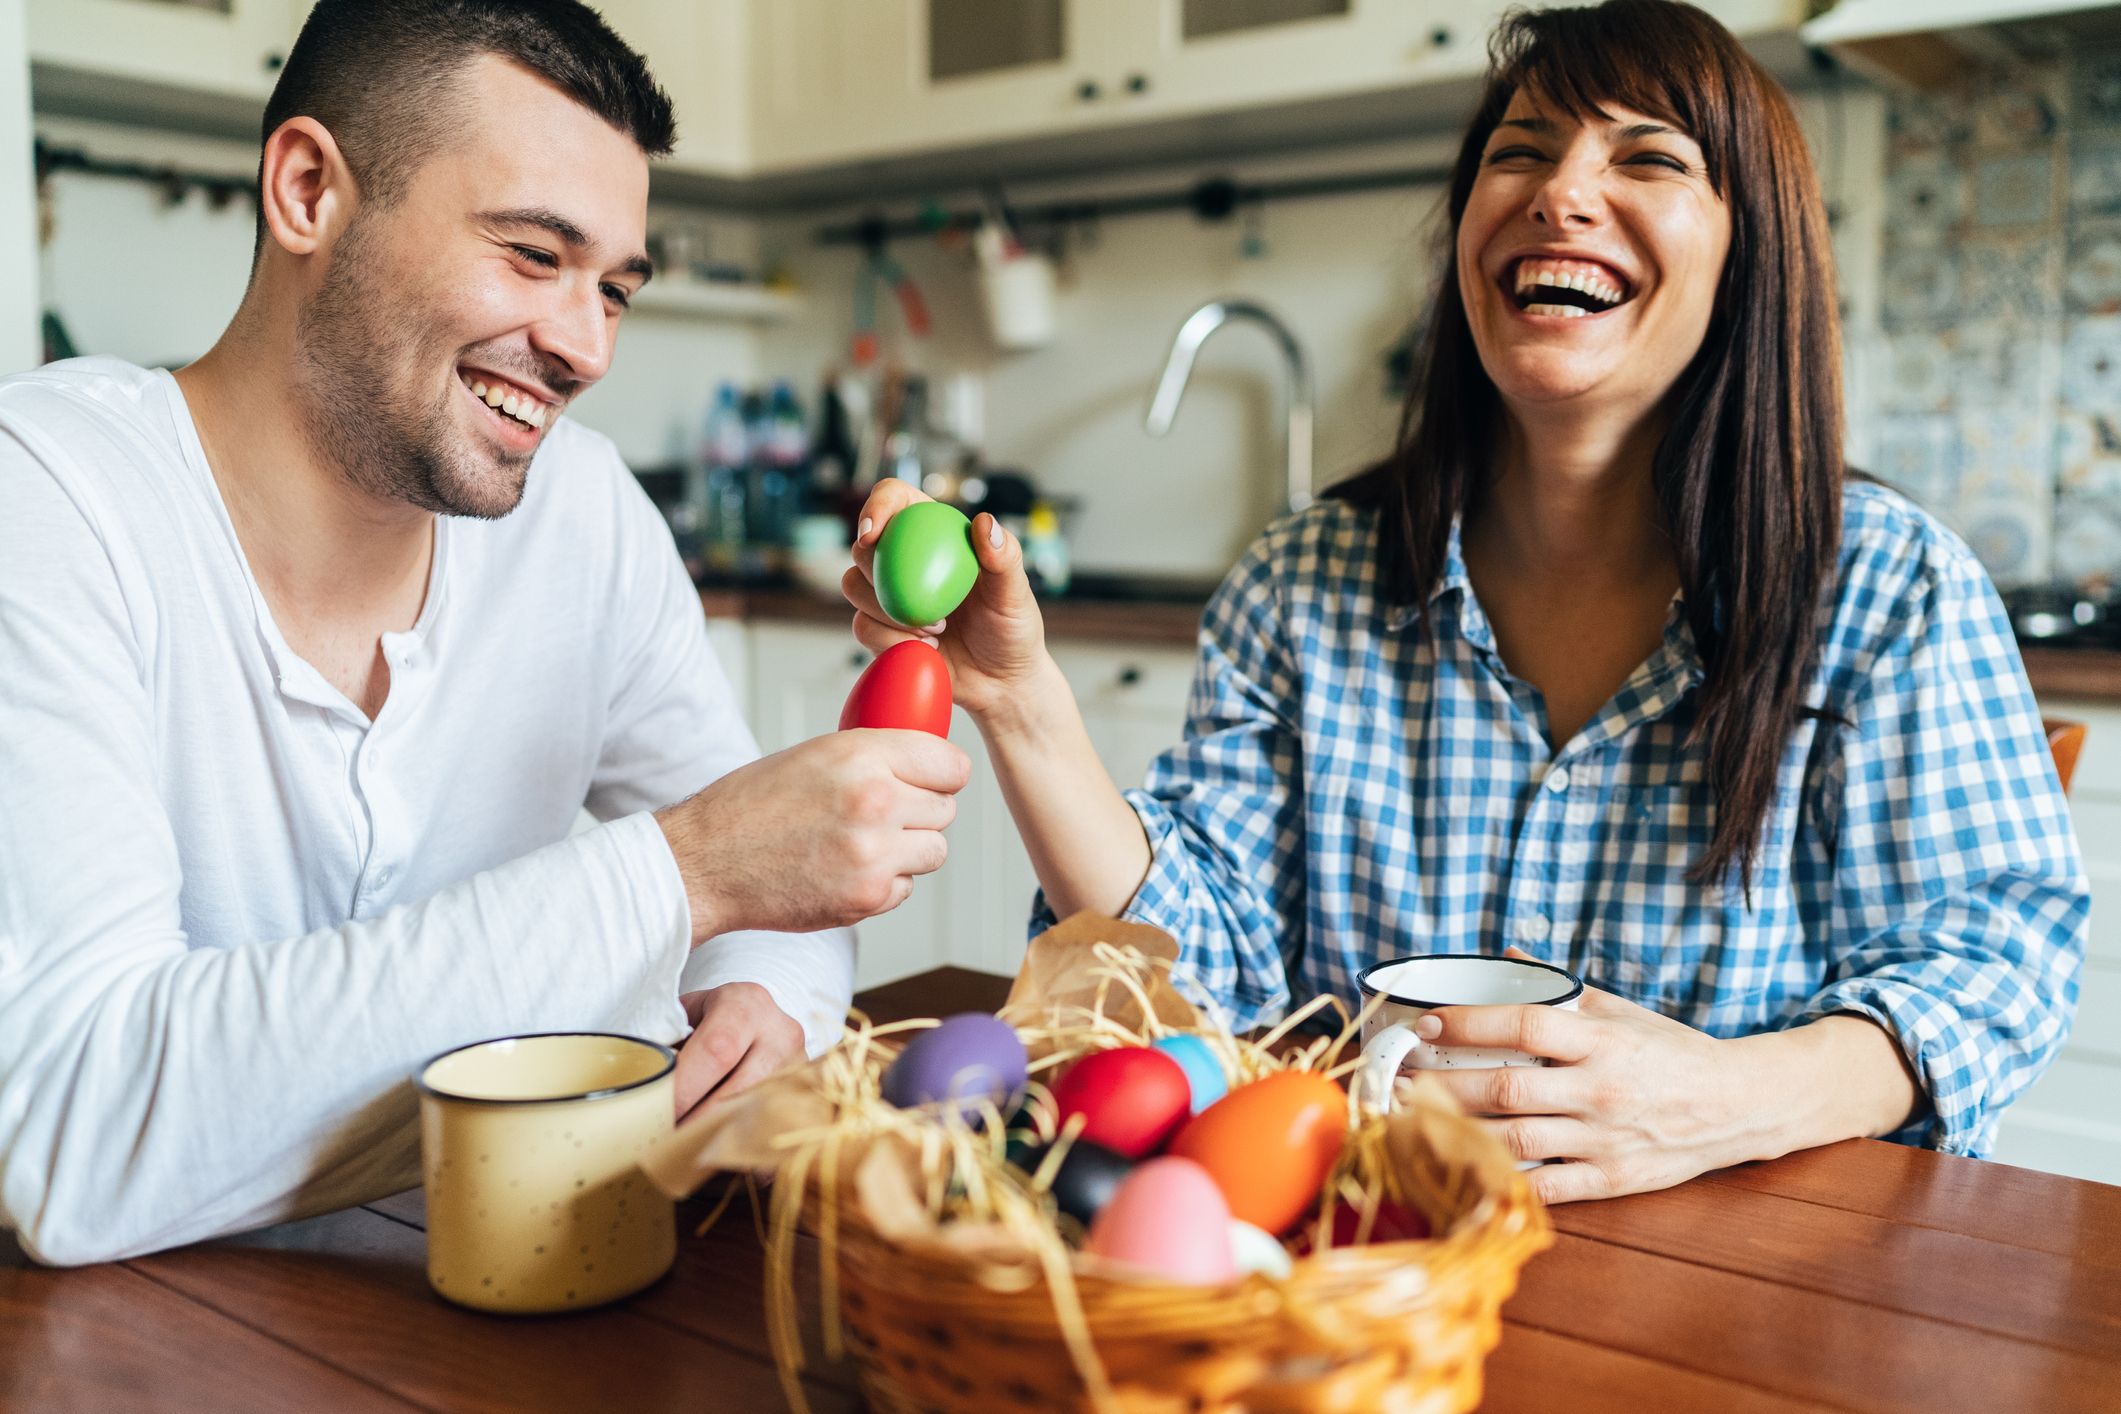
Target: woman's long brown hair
<point>1749,474</point>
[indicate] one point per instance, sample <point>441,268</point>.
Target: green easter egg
<point>924,563</point>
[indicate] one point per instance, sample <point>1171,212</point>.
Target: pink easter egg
<point>1167,1219</point>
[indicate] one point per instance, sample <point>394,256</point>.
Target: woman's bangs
<point>1584,71</point>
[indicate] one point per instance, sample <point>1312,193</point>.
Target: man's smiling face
<point>453,324</point>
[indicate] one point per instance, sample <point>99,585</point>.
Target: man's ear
<point>307,193</point>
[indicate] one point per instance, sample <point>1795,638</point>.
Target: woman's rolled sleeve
<point>1959,900</point>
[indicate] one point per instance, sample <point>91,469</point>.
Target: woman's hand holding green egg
<point>995,642</point>
<point>1086,843</point>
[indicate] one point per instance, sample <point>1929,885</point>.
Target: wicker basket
<point>951,1281</point>
<point>1401,1326</point>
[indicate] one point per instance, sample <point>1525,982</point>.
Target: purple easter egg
<point>970,1058</point>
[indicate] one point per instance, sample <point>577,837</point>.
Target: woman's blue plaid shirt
<point>1351,788</point>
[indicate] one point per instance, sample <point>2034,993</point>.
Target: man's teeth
<point>1566,311</point>
<point>524,409</point>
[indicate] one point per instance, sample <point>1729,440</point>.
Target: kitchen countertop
<point>1858,1276</point>
<point>2074,672</point>
<point>1165,622</point>
<point>2092,673</point>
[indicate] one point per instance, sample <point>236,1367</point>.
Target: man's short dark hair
<point>379,75</point>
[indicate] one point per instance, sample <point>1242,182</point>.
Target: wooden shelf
<point>703,299</point>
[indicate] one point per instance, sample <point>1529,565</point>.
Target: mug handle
<point>1382,1056</point>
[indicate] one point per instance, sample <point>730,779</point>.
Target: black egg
<point>1086,1180</point>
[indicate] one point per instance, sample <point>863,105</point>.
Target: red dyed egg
<point>907,688</point>
<point>1131,1099</point>
<point>1394,1222</point>
<point>1269,1145</point>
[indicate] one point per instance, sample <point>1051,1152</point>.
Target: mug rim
<point>1362,978</point>
<point>420,1083</point>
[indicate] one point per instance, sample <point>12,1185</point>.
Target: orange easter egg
<point>1269,1145</point>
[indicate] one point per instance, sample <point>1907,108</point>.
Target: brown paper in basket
<point>738,1136</point>
<point>1063,978</point>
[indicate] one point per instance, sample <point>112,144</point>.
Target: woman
<point>1608,662</point>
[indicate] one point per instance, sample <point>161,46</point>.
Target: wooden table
<point>1861,1276</point>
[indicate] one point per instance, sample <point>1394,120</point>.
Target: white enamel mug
<point>1412,987</point>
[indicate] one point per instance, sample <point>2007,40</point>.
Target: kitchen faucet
<point>1178,367</point>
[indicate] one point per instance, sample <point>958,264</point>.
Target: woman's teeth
<point>1539,280</point>
<point>523,408</point>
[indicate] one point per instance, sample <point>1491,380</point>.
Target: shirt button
<point>1558,779</point>
<point>1535,928</point>
<point>383,877</point>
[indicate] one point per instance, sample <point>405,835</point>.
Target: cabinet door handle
<point>859,658</point>
<point>1440,37</point>
<point>1130,676</point>
<point>1137,83</point>
<point>1087,91</point>
<point>273,62</point>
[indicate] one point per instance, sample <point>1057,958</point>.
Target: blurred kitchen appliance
<point>2064,616</point>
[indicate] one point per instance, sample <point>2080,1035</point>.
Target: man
<point>310,655</point>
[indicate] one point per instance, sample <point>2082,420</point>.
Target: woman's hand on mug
<point>1629,1101</point>
<point>995,643</point>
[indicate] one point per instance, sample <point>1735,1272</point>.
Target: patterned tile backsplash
<point>1999,395</point>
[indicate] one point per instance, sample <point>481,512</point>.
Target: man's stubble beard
<point>384,439</point>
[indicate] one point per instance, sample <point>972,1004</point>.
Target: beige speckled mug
<point>529,1145</point>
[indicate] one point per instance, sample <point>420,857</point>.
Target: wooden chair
<point>2066,740</point>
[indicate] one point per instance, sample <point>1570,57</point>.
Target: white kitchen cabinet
<point>818,71</point>
<point>973,911</point>
<point>2070,1121</point>
<point>835,82</point>
<point>227,48</point>
<point>731,641</point>
<point>700,52</point>
<point>892,78</point>
<point>905,76</point>
<point>801,675</point>
<point>1190,56</point>
<point>780,87</point>
<point>1180,57</point>
<point>1133,701</point>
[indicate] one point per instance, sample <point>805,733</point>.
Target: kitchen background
<point>1007,207</point>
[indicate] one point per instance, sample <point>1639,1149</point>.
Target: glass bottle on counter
<point>918,452</point>
<point>776,484</point>
<point>834,454</point>
<point>724,452</point>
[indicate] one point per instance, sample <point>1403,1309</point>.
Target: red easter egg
<point>1394,1222</point>
<point>1131,1099</point>
<point>907,688</point>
